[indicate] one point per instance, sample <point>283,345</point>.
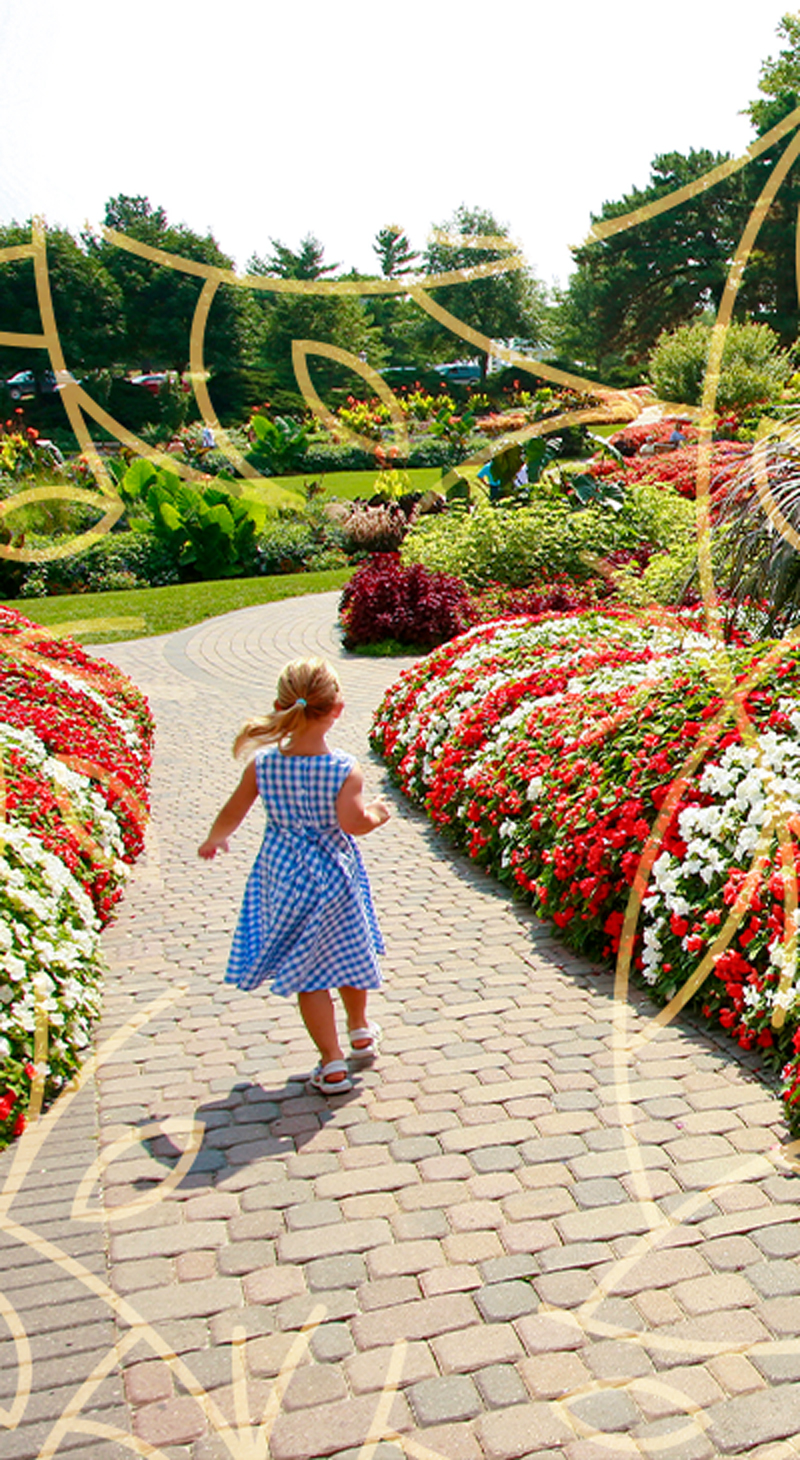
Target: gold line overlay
<point>246,1438</point>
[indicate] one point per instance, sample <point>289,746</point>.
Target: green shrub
<point>753,371</point>
<point>279,446</point>
<point>140,561</point>
<point>548,537</point>
<point>285,546</point>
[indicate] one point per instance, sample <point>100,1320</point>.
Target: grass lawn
<point>104,618</point>
<point>350,484</point>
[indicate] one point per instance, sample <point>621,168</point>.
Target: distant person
<point>207,438</point>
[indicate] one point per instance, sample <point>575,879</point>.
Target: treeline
<point>118,312</point>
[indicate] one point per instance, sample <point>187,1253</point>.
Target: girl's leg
<point>316,1008</point>
<point>355,1003</point>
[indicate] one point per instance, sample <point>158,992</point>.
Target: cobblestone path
<point>517,1237</point>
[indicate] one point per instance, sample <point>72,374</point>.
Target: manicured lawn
<point>350,484</point>
<point>103,618</point>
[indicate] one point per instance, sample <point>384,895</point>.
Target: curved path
<point>514,1238</point>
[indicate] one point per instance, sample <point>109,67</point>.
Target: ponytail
<point>307,690</point>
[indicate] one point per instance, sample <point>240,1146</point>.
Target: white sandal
<point>370,1038</point>
<point>320,1079</point>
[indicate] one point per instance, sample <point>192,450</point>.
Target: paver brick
<point>274,1284</point>
<point>189,1300</point>
<point>312,1385</point>
<point>191,1267</point>
<point>237,1258</point>
<point>446,1399</point>
<point>602,1222</point>
<point>519,1431</point>
<point>387,1291</point>
<point>267,1355</point>
<point>471,1247</point>
<point>475,1216</point>
<point>704,1336</point>
<point>387,1177</point>
<point>453,1278</point>
<point>327,1428</point>
<point>476,1346</point>
<point>755,1419</point>
<point>549,1333</point>
<point>329,1241</point>
<point>312,1214</point>
<point>347,1271</point>
<point>501,1132</point>
<point>736,1373</point>
<point>424,1318</point>
<point>167,1241</point>
<point>175,1421</point>
<point>715,1292</point>
<point>368,1371</point>
<point>552,1375</point>
<point>503,1302</point>
<point>441,1194</point>
<point>404,1257</point>
<point>500,1386</point>
<point>147,1382</point>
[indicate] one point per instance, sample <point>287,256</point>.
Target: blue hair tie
<point>300,702</point>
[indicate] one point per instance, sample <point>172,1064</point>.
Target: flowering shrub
<point>365,417</point>
<point>557,594</point>
<point>19,448</point>
<point>75,740</point>
<point>384,600</point>
<point>679,469</point>
<point>632,438</point>
<point>551,748</point>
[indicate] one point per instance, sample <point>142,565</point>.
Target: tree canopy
<point>159,302</point>
<point>503,306</point>
<point>666,271</point>
<point>87,303</point>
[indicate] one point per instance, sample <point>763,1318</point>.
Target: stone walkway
<point>515,1238</point>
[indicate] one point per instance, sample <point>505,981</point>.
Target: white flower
<point>14,967</point>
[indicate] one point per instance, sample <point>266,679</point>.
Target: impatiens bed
<point>75,740</point>
<point>640,784</point>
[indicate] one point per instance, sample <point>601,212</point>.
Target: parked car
<point>153,383</point>
<point>460,372</point>
<point>25,384</point>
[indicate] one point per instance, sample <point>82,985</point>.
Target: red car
<point>153,383</point>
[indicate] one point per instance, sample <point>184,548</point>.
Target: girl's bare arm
<point>231,815</point>
<point>355,817</point>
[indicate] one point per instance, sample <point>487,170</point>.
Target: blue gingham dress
<point>307,919</point>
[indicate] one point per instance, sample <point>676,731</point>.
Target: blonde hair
<point>307,690</point>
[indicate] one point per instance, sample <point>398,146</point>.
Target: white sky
<point>266,119</point>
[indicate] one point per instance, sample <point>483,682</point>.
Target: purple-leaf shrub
<point>384,600</point>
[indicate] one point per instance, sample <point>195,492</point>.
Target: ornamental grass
<point>609,765</point>
<point>75,737</point>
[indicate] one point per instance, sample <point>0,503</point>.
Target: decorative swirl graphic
<point>245,1439</point>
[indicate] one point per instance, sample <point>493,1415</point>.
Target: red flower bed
<point>580,756</point>
<point>678,468</point>
<point>75,739</point>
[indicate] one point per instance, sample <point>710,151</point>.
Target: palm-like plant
<point>757,533</point>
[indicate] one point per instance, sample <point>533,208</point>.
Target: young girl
<point>307,920</point>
